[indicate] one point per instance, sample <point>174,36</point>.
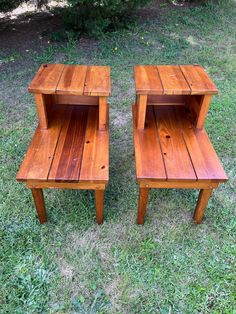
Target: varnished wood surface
<point>72,149</point>
<point>72,80</point>
<point>173,149</point>
<point>173,80</point>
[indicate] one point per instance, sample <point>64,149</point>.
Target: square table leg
<point>142,205</point>
<point>99,200</point>
<point>39,204</point>
<point>202,202</point>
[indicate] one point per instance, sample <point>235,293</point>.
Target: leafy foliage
<point>96,17</point>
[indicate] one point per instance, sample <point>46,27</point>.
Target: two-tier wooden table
<point>172,148</point>
<point>70,148</point>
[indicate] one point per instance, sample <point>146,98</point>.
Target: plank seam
<point>159,142</point>
<point>180,66</point>
<point>158,73</point>
<point>62,123</point>
<point>60,78</point>
<point>85,80</point>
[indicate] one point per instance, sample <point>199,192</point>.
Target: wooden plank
<point>39,156</point>
<point>204,158</point>
<point>141,111</point>
<point>75,100</point>
<point>97,82</point>
<point>178,164</point>
<point>72,80</point>
<point>68,154</point>
<point>173,80</point>
<point>95,160</point>
<point>198,80</point>
<point>147,80</point>
<point>178,184</point>
<point>214,167</point>
<point>148,155</point>
<point>46,79</point>
<point>65,185</point>
<point>193,145</point>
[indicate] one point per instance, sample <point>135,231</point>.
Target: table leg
<point>141,111</point>
<point>142,205</point>
<point>39,204</point>
<point>99,200</point>
<point>203,199</point>
<point>102,113</point>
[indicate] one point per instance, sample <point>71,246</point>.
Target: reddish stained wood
<point>68,154</point>
<point>142,205</point>
<point>99,200</point>
<point>46,79</point>
<point>97,81</point>
<point>95,159</point>
<point>214,167</point>
<point>41,110</point>
<point>39,204</point>
<point>173,80</point>
<point>102,113</point>
<point>147,80</point>
<point>202,202</point>
<point>72,80</point>
<point>177,162</point>
<point>148,156</point>
<point>198,80</point>
<point>39,156</point>
<point>141,111</point>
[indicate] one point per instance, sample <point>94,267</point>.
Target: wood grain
<point>173,80</point>
<point>68,154</point>
<point>202,202</point>
<point>198,80</point>
<point>95,159</point>
<point>97,81</point>
<point>47,78</point>
<point>147,80</point>
<point>177,161</point>
<point>72,80</point>
<point>148,155</point>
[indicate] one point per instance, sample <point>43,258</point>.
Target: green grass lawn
<point>72,265</point>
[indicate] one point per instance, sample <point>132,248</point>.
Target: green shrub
<point>96,17</point>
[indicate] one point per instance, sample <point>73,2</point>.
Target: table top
<point>173,80</point>
<point>71,150</point>
<point>72,80</point>
<point>170,148</point>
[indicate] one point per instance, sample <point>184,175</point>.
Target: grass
<point>169,265</point>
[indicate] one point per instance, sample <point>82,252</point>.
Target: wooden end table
<point>70,148</point>
<point>172,148</point>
